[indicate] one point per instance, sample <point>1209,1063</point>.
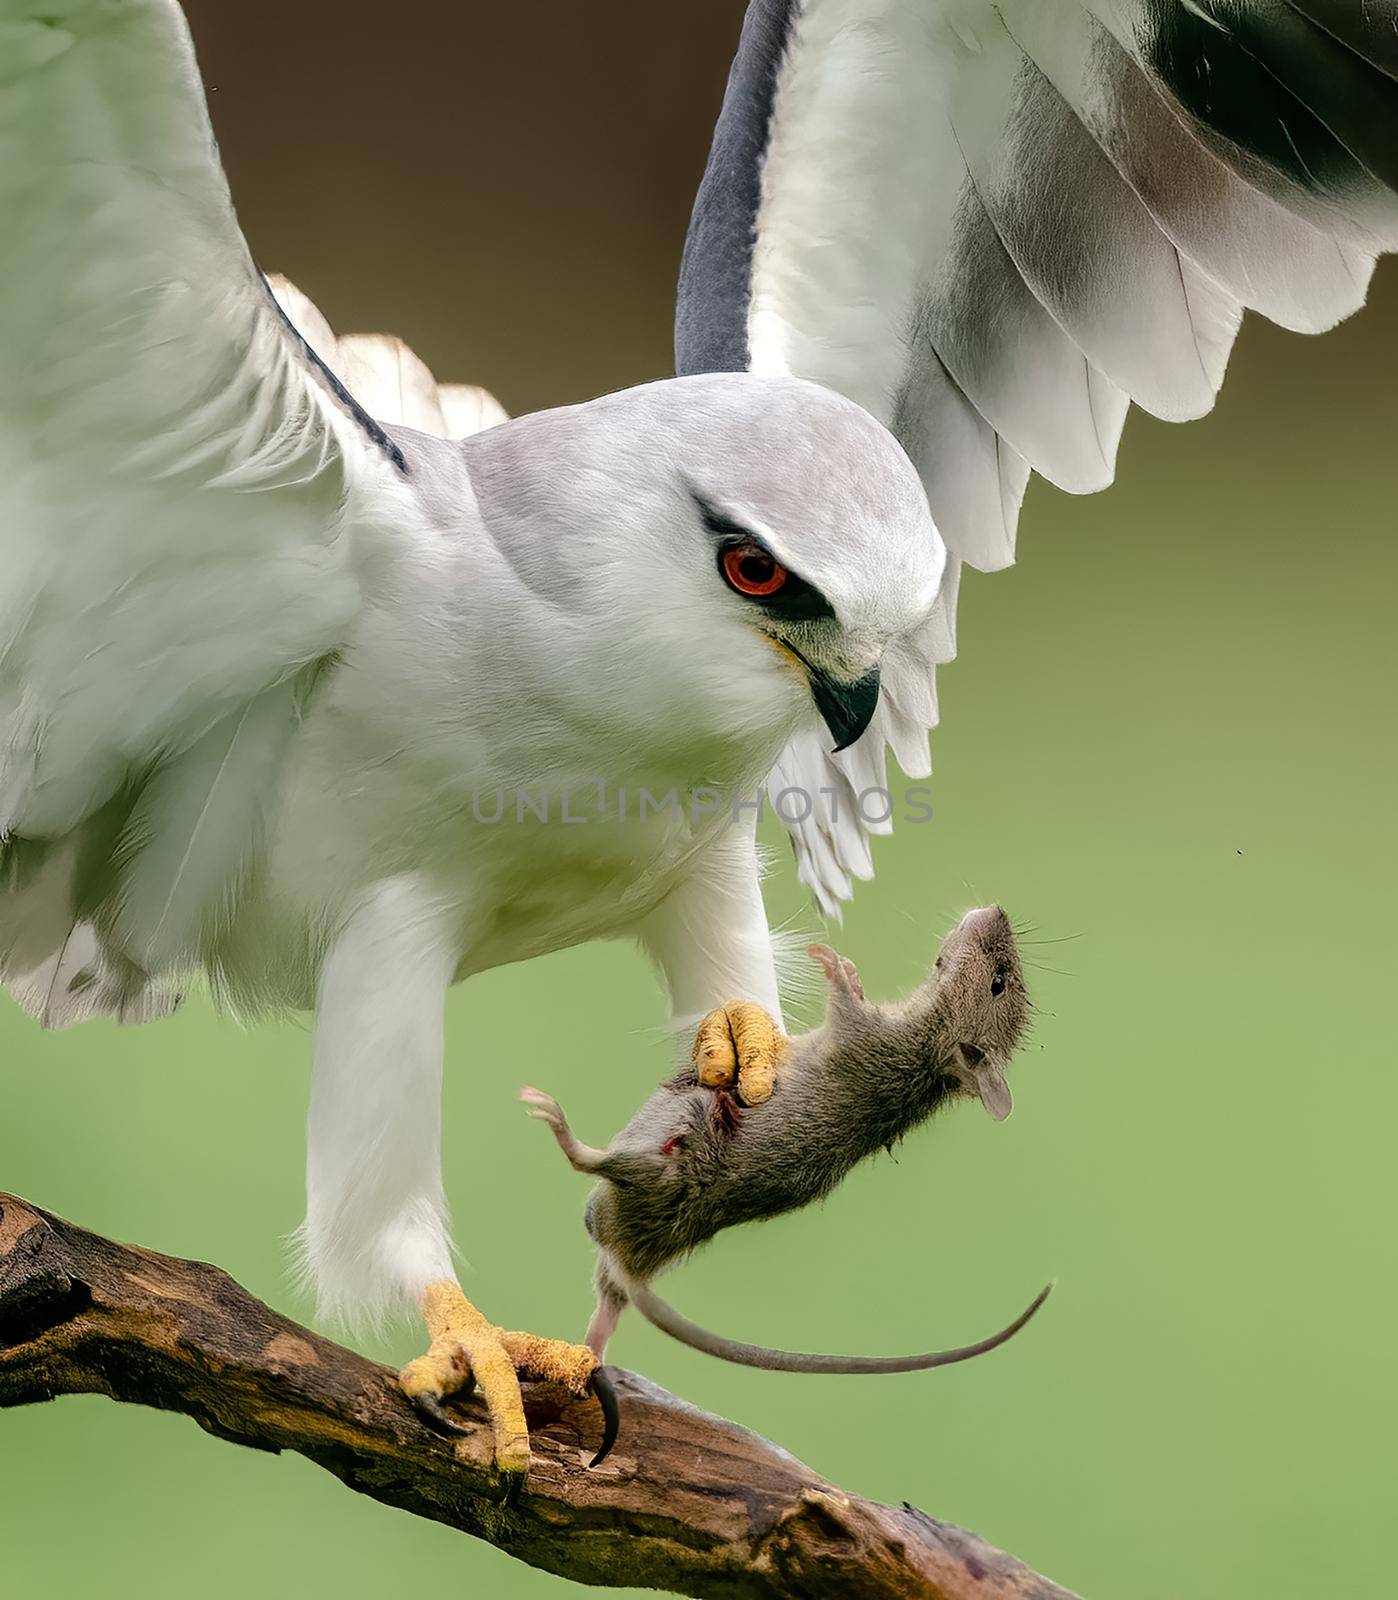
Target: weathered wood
<point>686,1502</point>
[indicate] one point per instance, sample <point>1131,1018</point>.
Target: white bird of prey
<point>262,655</point>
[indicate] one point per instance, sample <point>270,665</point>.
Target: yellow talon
<point>740,1040</point>
<point>540,1360</point>
<point>466,1346</point>
<point>715,1059</point>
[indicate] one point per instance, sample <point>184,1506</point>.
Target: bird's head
<point>797,542</point>
<point>753,543</point>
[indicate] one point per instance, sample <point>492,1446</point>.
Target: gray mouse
<point>694,1159</point>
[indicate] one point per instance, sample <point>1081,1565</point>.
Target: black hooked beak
<point>848,708</point>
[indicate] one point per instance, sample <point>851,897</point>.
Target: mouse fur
<point>693,1160</point>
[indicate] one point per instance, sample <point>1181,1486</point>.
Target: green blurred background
<point>1169,744</point>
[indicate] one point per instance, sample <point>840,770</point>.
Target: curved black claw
<point>602,1386</point>
<point>511,1487</point>
<point>429,1407</point>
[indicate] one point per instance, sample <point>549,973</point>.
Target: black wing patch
<point>711,316</point>
<point>1286,89</point>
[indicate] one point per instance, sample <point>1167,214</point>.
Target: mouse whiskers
<point>1043,966</point>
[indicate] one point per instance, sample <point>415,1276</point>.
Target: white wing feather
<point>170,472</point>
<point>996,225</point>
<point>195,827</point>
<point>178,491</point>
<point>468,409</point>
<point>392,382</point>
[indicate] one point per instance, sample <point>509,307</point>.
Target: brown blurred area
<point>506,187</point>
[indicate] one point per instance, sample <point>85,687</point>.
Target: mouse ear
<point>994,1091</point>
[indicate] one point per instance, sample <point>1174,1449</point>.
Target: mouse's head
<point>981,1005</point>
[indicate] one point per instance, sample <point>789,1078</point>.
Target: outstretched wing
<point>997,224</point>
<point>179,486</point>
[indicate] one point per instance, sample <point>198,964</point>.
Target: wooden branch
<point>686,1502</point>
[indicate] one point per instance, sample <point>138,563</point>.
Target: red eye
<point>752,570</point>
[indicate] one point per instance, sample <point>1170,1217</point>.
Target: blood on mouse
<point>688,1165</point>
<point>726,1110</point>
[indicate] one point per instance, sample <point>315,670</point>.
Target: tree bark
<point>686,1502</point>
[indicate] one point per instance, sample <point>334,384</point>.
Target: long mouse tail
<point>668,1320</point>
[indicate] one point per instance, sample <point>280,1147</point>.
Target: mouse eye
<point>750,570</point>
<point>997,983</point>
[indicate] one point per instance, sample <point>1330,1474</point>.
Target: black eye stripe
<point>721,526</point>
<point>795,601</point>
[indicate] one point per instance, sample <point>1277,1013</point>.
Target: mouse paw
<point>740,1042</point>
<point>582,1157</point>
<point>840,970</point>
<point>544,1107</point>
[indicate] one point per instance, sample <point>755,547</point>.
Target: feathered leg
<point>375,1237</point>
<point>375,1233</point>
<point>711,941</point>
